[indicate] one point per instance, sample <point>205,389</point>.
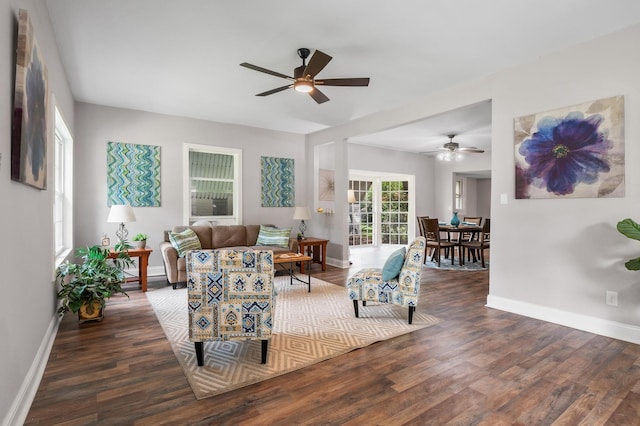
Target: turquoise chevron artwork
<point>278,182</point>
<point>133,174</point>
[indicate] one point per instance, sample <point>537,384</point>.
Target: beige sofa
<point>214,237</point>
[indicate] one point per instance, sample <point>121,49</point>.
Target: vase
<point>454,220</point>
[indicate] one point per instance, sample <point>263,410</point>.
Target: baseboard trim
<point>338,263</point>
<point>603,327</point>
<point>19,409</point>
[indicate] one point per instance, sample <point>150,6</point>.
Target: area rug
<point>308,328</point>
<point>445,264</point>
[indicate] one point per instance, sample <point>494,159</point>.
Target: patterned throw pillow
<point>184,241</point>
<point>393,265</point>
<point>275,237</point>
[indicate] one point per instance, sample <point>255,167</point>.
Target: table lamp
<point>301,214</point>
<point>120,214</point>
<point>351,196</point>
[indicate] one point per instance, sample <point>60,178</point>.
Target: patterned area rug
<point>445,264</point>
<point>308,327</point>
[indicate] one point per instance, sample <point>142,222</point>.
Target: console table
<point>143,255</point>
<point>316,248</point>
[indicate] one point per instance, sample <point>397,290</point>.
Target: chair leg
<point>482,257</point>
<point>199,354</point>
<point>355,307</point>
<point>265,348</point>
<point>411,310</point>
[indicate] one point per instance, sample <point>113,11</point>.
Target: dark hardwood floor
<point>477,366</point>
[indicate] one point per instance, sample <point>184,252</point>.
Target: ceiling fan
<point>304,77</point>
<point>453,151</point>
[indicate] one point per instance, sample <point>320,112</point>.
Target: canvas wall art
<point>133,174</point>
<point>572,152</point>
<point>326,185</point>
<point>29,124</point>
<point>278,188</point>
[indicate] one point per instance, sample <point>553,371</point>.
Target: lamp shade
<point>301,213</point>
<point>121,213</point>
<point>352,196</point>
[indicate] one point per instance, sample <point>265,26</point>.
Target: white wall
<point>552,259</point>
<point>27,307</point>
<point>445,180</point>
<point>573,253</point>
<point>96,125</point>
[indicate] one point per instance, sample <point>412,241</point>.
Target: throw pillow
<point>277,237</point>
<point>392,266</point>
<point>184,241</point>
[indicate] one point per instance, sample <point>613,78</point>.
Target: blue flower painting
<point>573,152</point>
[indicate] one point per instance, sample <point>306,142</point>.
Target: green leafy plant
<point>630,229</point>
<point>97,278</point>
<point>140,237</point>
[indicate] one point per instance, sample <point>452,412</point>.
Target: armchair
<point>231,296</point>
<point>368,285</point>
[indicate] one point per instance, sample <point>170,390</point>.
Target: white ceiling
<point>182,57</point>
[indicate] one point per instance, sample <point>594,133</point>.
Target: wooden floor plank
<point>477,366</point>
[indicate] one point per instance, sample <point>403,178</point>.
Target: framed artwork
<point>326,185</point>
<point>29,125</point>
<point>133,174</point>
<point>278,189</point>
<point>571,152</point>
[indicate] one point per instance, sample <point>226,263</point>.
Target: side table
<point>143,255</point>
<point>316,248</point>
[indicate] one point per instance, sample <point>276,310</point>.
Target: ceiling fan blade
<point>318,96</point>
<point>471,149</point>
<point>318,61</point>
<point>343,82</point>
<point>272,91</point>
<point>264,70</point>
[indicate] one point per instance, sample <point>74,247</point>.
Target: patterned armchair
<point>231,296</point>
<point>368,285</point>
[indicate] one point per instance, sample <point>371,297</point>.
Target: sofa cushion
<point>393,265</point>
<point>203,233</point>
<point>184,241</point>
<point>269,236</point>
<point>228,236</point>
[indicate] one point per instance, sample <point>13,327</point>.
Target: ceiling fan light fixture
<point>303,86</point>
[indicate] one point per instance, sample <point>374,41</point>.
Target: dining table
<point>464,227</point>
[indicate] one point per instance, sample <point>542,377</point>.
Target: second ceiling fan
<point>304,76</point>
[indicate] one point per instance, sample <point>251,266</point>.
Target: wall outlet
<point>612,298</point>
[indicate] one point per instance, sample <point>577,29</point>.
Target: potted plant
<point>85,287</point>
<point>630,229</point>
<point>141,240</point>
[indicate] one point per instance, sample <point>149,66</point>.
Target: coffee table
<point>291,259</point>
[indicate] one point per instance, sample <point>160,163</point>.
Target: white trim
<point>613,329</point>
<point>338,263</point>
<point>21,404</point>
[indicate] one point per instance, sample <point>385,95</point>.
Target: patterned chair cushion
<point>230,294</point>
<point>369,285</point>
<point>184,241</point>
<point>276,237</point>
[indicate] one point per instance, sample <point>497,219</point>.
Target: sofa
<point>214,237</point>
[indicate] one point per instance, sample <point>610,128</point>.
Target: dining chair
<point>432,234</point>
<point>479,245</point>
<point>468,236</point>
<point>421,228</point>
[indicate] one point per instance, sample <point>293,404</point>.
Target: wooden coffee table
<point>291,259</point>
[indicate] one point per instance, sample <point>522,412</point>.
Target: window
<point>458,194</point>
<point>212,184</point>
<point>395,212</point>
<point>62,206</point>
<point>361,226</point>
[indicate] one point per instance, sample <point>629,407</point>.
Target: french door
<point>381,211</point>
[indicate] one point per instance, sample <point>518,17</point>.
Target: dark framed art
<point>29,127</point>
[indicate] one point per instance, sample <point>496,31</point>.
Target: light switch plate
<point>503,199</point>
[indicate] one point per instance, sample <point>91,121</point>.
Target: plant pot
<point>141,244</point>
<point>95,314</point>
